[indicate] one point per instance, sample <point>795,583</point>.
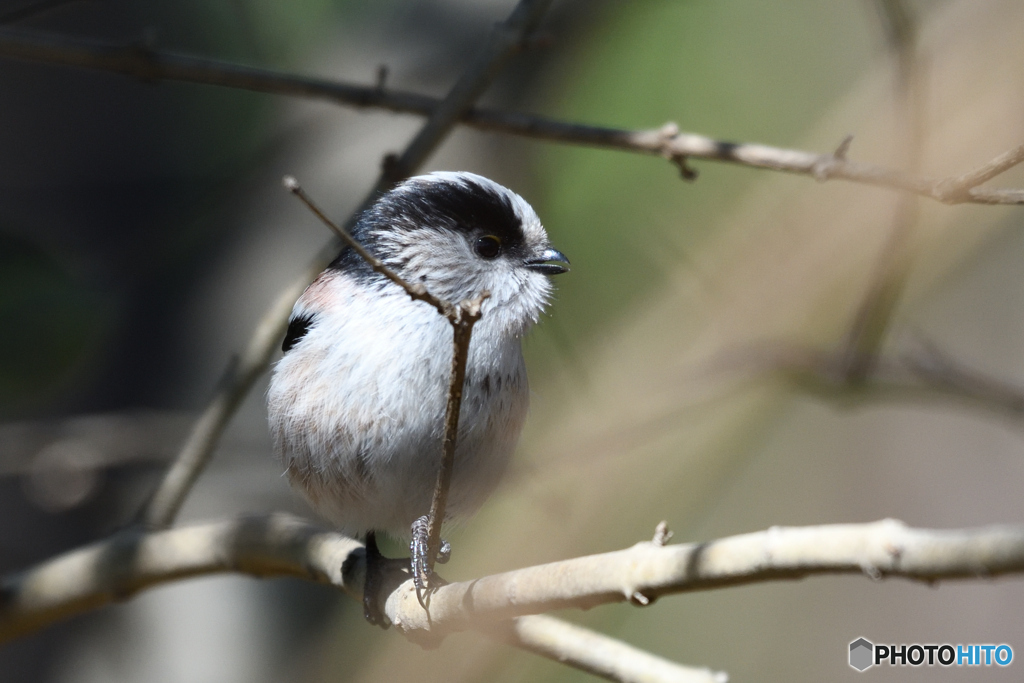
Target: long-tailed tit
<point>357,403</point>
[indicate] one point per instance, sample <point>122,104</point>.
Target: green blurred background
<point>143,231</point>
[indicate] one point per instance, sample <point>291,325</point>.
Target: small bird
<point>356,404</point>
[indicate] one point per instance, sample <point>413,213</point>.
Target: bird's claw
<point>419,556</point>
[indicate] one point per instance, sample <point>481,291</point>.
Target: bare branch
<point>924,374</point>
<point>667,141</point>
<point>646,571</point>
<point>238,379</point>
<point>595,653</point>
<point>506,38</point>
<point>280,545</point>
<point>957,189</point>
<point>163,507</point>
<point>117,568</point>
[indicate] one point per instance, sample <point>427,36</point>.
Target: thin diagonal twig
<point>958,188</point>
<point>416,292</point>
<point>872,320</point>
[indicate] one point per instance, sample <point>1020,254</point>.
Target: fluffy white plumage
<point>356,405</point>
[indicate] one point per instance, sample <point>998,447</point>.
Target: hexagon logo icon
<point>862,654</point>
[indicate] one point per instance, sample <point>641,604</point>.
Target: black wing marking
<point>297,329</point>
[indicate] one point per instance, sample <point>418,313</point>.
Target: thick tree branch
<point>149,65</point>
<point>117,568</point>
<point>647,570</point>
<point>167,500</point>
<point>280,545</point>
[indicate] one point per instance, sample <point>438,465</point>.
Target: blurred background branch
<point>922,375</point>
<point>148,65</point>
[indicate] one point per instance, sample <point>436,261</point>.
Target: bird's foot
<point>376,568</point>
<point>419,556</point>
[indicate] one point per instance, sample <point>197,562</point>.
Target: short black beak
<point>550,262</point>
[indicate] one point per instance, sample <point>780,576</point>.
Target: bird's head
<point>460,234</point>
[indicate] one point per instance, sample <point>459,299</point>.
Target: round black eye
<point>488,246</point>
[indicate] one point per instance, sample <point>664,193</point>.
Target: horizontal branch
<point>117,568</point>
<point>278,545</point>
<point>667,141</point>
<point>281,545</point>
<point>648,570</point>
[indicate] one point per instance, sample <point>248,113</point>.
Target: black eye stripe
<point>462,206</point>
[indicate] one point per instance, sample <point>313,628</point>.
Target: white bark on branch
<point>117,568</point>
<point>647,570</point>
<point>281,545</point>
<point>596,653</point>
<point>667,141</point>
<point>124,564</point>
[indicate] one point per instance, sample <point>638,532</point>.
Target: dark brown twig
<point>467,315</point>
<point>153,66</point>
<point>416,292</point>
<point>506,38</point>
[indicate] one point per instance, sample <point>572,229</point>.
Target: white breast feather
<point>358,425</point>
